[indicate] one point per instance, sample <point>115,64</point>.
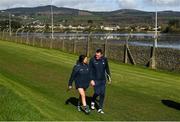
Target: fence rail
<point>160,58</point>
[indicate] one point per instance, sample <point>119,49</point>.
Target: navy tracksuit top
<point>99,69</point>
<point>80,75</point>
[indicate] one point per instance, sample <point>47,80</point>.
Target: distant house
<point>110,28</point>
<point>39,26</point>
<point>62,26</point>
<point>81,27</point>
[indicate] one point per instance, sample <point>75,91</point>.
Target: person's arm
<point>108,71</point>
<point>107,68</point>
<point>91,68</point>
<point>73,76</point>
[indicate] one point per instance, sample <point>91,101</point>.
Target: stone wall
<point>166,58</point>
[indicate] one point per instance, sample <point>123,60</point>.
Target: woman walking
<point>80,75</point>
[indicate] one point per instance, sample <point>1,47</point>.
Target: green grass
<point>33,84</point>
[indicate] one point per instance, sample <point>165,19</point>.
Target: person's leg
<point>95,95</point>
<point>79,103</point>
<point>93,101</point>
<point>97,91</point>
<point>102,94</point>
<point>82,95</point>
<point>101,97</point>
<point>83,98</point>
<point>101,100</point>
<point>79,100</point>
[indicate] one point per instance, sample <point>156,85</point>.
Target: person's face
<point>98,56</point>
<point>85,60</point>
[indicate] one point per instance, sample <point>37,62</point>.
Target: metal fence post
<point>41,43</point>
<point>74,45</point>
<point>88,44</point>
<point>63,43</point>
<point>152,63</point>
<point>27,38</point>
<point>3,34</point>
<point>22,36</point>
<point>106,44</point>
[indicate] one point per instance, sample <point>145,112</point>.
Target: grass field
<point>33,83</point>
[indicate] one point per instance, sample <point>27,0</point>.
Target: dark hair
<point>81,58</point>
<point>99,51</point>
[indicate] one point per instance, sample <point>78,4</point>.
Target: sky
<point>97,5</point>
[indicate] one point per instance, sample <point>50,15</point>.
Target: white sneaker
<point>92,105</point>
<point>100,111</point>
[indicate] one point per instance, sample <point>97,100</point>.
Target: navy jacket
<point>99,69</point>
<point>80,75</point>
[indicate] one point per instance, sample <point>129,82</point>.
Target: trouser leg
<point>94,97</point>
<point>102,95</point>
<point>101,100</point>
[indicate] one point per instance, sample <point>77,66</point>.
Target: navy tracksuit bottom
<point>99,90</point>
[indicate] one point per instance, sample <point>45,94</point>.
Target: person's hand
<point>92,83</point>
<point>109,82</point>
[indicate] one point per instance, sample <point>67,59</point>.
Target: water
<point>138,39</point>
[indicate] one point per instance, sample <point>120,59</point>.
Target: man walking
<point>99,69</point>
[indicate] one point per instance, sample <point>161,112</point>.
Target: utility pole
<point>153,50</point>
<point>156,26</point>
<point>52,21</point>
<point>10,33</point>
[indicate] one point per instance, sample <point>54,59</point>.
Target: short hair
<point>99,51</point>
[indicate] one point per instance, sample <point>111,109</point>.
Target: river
<point>138,39</point>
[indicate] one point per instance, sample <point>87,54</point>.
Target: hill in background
<point>71,16</point>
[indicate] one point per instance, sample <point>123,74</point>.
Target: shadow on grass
<point>171,104</point>
<point>74,101</point>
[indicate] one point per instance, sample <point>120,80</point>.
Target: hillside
<point>75,16</point>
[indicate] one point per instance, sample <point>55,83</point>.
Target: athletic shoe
<point>100,111</point>
<point>79,108</point>
<point>92,105</point>
<point>87,110</point>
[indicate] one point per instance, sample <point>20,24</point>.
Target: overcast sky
<point>97,5</point>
